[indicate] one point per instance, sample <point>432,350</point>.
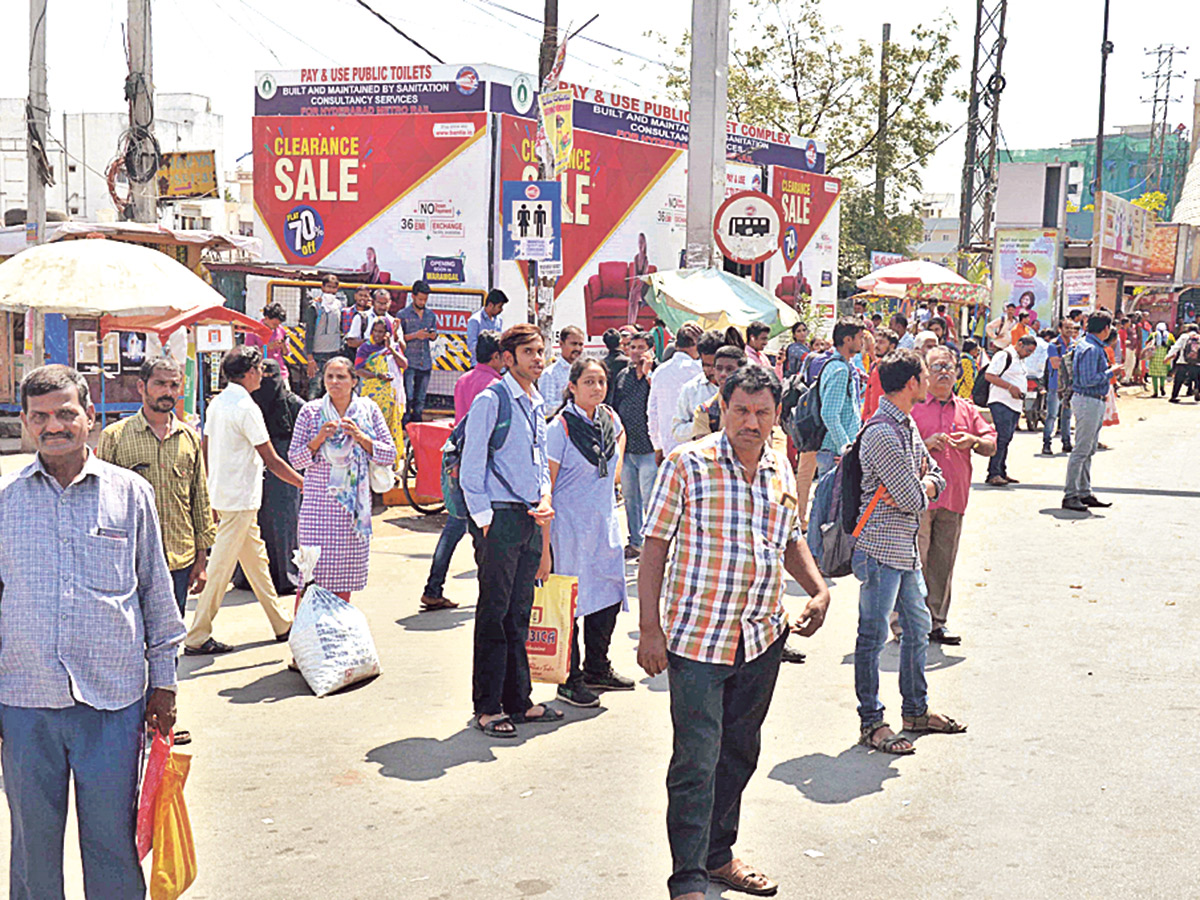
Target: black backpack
<point>982,388</point>
<point>801,413</point>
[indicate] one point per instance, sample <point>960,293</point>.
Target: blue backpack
<point>452,494</point>
<point>834,523</point>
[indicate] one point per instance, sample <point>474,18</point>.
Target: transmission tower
<point>1162,74</point>
<point>983,127</point>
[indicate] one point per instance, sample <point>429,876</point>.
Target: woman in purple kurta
<point>334,440</point>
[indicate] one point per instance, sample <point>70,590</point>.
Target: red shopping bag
<point>160,751</point>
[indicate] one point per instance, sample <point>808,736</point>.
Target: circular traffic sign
<point>749,227</point>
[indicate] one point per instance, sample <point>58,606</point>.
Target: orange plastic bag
<point>174,866</point>
<point>548,644</point>
<point>160,750</point>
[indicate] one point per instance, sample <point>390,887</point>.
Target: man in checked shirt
<point>728,501</point>
<point>899,480</point>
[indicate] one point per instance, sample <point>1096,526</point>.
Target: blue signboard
<point>531,213</point>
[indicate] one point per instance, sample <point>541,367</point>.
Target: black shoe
<point>1094,502</point>
<point>212,645</point>
<point>942,636</point>
<point>792,656</point>
<point>632,552</point>
<point>578,695</point>
<point>607,681</point>
<point>1173,400</point>
<point>1047,450</point>
<point>1067,448</point>
<point>1074,504</point>
<point>282,638</point>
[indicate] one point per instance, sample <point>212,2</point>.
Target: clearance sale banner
<point>345,190</point>
<point>622,214</point>
<point>805,269</point>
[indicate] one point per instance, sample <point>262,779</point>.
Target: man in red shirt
<point>488,364</point>
<point>886,340</point>
<point>952,429</point>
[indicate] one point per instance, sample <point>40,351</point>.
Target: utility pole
<point>881,145</point>
<point>541,290</point>
<point>1160,106</point>
<point>139,91</point>
<point>1106,48</point>
<point>708,106</point>
<point>37,112</point>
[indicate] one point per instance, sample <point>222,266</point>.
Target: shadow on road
<point>1068,515</point>
<point>422,525</point>
<point>889,660</point>
<point>658,683</point>
<point>269,689</point>
<point>424,759</point>
<point>438,619</point>
<point>1100,489</point>
<point>853,773</point>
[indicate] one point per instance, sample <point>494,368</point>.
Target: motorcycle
<point>1035,403</point>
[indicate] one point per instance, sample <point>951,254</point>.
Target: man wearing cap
<point>486,318</point>
<point>420,331</point>
<point>999,330</point>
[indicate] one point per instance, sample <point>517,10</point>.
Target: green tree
<point>1155,201</point>
<point>790,71</point>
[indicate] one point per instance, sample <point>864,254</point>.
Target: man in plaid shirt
<point>729,502</point>
<point>899,480</point>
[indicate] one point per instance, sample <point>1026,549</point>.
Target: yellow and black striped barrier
<point>294,354</point>
<point>455,358</point>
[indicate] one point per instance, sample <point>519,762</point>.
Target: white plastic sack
<point>330,639</point>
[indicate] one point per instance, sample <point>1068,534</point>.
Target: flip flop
<point>742,877</point>
<point>430,604</point>
<point>491,729</point>
<point>549,714</point>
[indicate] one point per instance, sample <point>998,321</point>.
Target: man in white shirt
<point>236,447</point>
<point>666,386</point>
<point>553,382</point>
<point>1006,400</point>
<point>701,389</point>
<point>361,324</point>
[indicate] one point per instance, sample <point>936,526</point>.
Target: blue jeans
<point>824,462</point>
<point>416,382</point>
<point>637,483</point>
<point>1052,406</point>
<point>41,750</point>
<point>1089,417</point>
<point>452,533</point>
<point>1005,420</point>
<point>884,588</point>
<point>179,581</point>
<point>1064,421</point>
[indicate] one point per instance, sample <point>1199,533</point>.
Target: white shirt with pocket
<point>234,426</point>
<point>1014,374</point>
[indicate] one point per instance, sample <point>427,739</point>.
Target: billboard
<point>188,175</point>
<point>1123,236</point>
<point>374,193</point>
<point>1025,271</point>
<point>882,258</point>
<point>369,91</point>
<point>805,268</point>
<point>1079,288</point>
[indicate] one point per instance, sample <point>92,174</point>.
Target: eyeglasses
<point>942,367</point>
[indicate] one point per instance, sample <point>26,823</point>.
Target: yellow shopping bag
<point>548,644</point>
<point>174,866</point>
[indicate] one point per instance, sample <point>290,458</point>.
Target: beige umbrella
<point>100,277</point>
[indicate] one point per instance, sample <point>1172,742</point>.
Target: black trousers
<point>717,712</point>
<point>507,560</point>
<point>1184,378</point>
<point>597,631</point>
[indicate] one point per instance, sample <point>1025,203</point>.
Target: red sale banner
<point>318,180</point>
<point>806,199</point>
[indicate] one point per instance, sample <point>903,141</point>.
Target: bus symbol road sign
<point>749,227</point>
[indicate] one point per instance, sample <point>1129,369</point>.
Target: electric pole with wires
<point>37,113</point>
<point>1162,75</point>
<point>140,148</point>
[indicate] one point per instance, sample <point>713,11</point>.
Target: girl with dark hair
<point>585,442</point>
<point>273,317</point>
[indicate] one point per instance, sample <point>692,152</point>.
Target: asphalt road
<point>1078,778</point>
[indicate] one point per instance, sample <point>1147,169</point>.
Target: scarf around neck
<point>597,441</point>
<point>349,468</point>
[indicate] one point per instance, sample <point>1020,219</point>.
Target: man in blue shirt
<point>507,492</point>
<point>1058,409</point>
<point>420,331</point>
<point>841,397</point>
<point>1090,384</point>
<point>486,318</point>
<point>90,622</point>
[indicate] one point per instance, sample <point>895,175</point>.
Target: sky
<point>1051,59</point>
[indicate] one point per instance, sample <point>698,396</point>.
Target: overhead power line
<point>394,28</point>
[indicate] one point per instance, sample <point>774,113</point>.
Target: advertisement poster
<point>188,175</point>
<point>556,107</point>
<point>805,269</point>
<point>133,351</point>
<point>621,218</point>
<point>1079,288</point>
<point>1026,272</point>
<point>442,270</point>
<point>373,193</point>
<point>87,352</point>
<point>1122,236</point>
<point>369,90</point>
<point>1164,241</point>
<point>881,259</point>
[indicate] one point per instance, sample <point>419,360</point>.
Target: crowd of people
<point>681,430</point>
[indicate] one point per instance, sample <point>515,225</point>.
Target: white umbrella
<point>911,271</point>
<point>100,277</point>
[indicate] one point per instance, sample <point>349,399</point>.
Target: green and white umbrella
<point>716,299</point>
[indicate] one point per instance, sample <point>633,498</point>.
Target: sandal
<point>886,745</point>
<point>925,724</point>
<point>494,729</point>
<point>997,481</point>
<point>745,878</point>
<point>549,714</point>
<point>430,604</point>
